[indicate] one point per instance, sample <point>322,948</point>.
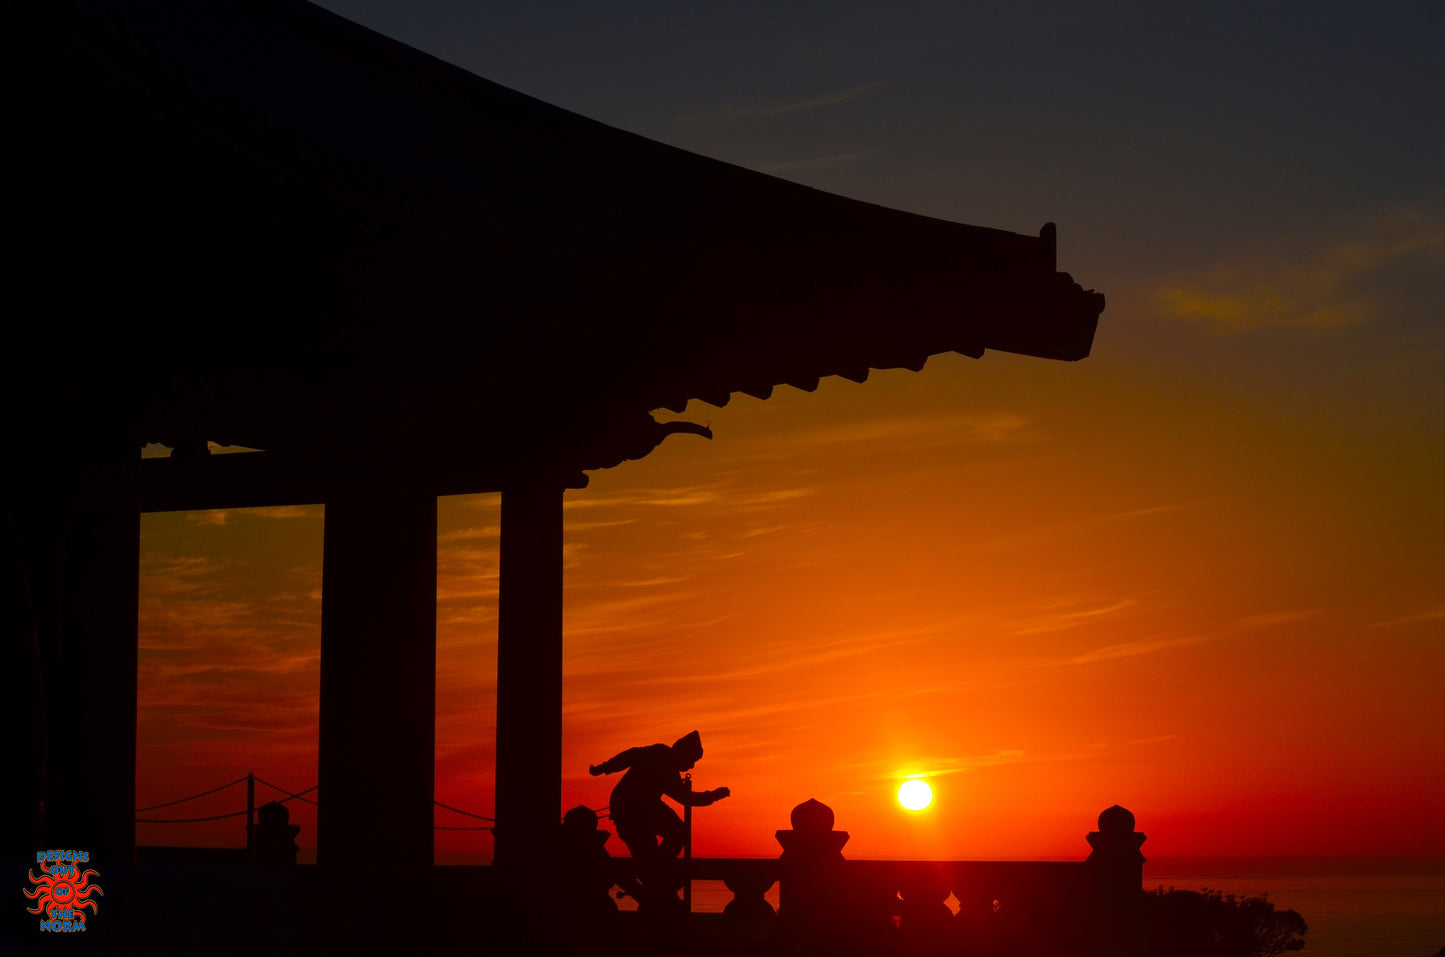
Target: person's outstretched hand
<point>594,769</point>
<point>719,793</point>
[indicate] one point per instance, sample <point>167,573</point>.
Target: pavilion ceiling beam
<point>236,480</point>
<point>269,479</point>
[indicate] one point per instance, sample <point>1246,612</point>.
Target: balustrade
<point>963,906</point>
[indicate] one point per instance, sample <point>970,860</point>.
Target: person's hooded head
<point>688,750</point>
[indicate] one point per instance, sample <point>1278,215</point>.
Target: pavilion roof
<point>254,221</point>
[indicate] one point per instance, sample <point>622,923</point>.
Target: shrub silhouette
<point>1210,924</point>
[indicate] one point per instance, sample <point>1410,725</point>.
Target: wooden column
<point>529,674</point>
<point>378,680</point>
<point>86,619</point>
<point>24,557</point>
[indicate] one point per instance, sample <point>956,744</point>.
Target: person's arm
<point>690,798</point>
<point>612,765</point>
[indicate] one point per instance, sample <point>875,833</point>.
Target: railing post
<point>1117,871</point>
<point>812,885</point>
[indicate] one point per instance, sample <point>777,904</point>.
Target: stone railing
<point>981,906</point>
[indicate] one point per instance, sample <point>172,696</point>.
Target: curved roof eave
<point>365,222</point>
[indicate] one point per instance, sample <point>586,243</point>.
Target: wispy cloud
<point>1433,614</point>
<point>720,494</point>
<point>1061,620</point>
<point>1156,739</point>
<point>938,766</point>
<point>222,516</point>
<point>1150,510</point>
<point>184,565</point>
<point>732,713</point>
<point>956,765</point>
<point>589,526</point>
<point>806,658</point>
<point>286,511</point>
<point>665,497</point>
<point>1320,288</point>
<point>633,613</point>
<point>1131,649</point>
<point>471,534</point>
<point>928,428</point>
<point>179,575</point>
<point>773,496</point>
<point>790,107</point>
<point>1151,645</point>
<point>1017,539</point>
<point>1273,619</point>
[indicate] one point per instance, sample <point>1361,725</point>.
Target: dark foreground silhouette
<point>184,904</point>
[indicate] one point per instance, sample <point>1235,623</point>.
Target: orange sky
<point>1198,574</point>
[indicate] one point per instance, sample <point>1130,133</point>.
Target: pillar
<point>22,705</point>
<point>376,762</point>
<point>83,580</point>
<point>529,674</point>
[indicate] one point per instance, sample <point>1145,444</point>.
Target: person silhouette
<point>637,809</point>
<point>274,844</point>
<point>586,872</point>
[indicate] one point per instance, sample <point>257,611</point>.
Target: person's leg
<point>638,835</point>
<point>657,867</point>
<point>672,830</point>
<point>636,832</point>
<point>670,875</point>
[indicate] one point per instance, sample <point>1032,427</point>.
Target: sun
<point>915,794</point>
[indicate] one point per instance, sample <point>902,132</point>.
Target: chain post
<point>687,847</point>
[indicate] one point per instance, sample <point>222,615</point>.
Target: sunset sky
<point>1200,574</point>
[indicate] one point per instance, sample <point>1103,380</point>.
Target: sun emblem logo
<point>62,891</point>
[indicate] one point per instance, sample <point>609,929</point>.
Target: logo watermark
<point>62,891</point>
